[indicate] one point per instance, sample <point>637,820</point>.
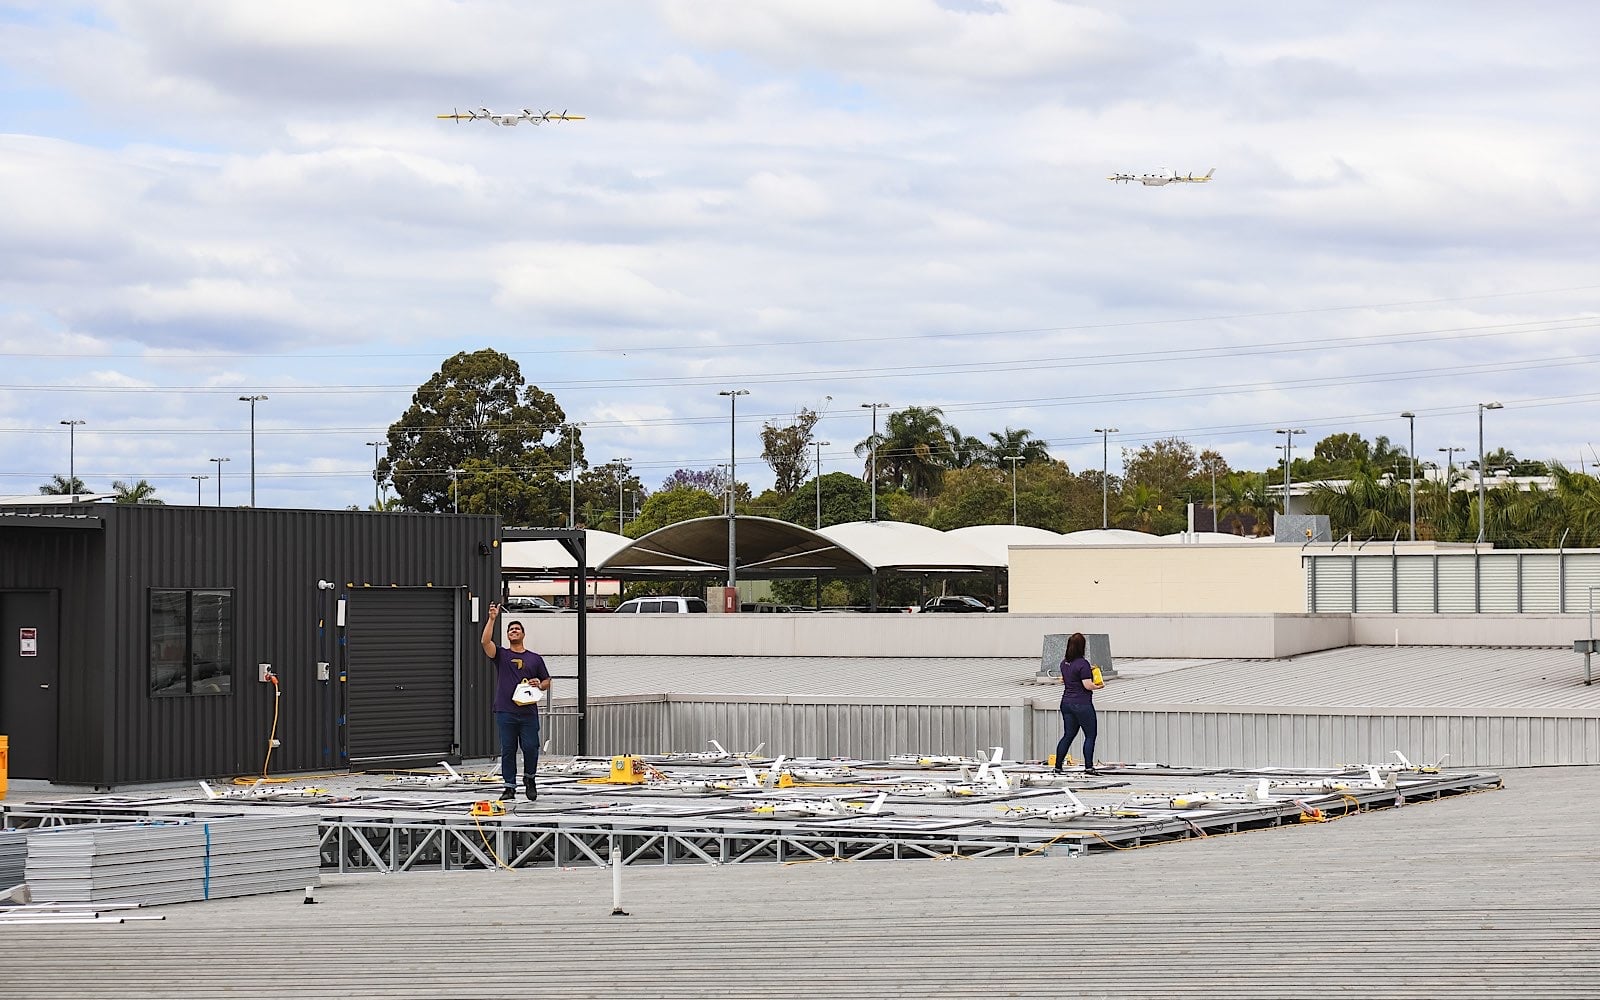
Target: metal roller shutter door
<point>401,676</point>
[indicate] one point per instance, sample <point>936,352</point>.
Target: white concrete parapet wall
<point>1256,636</point>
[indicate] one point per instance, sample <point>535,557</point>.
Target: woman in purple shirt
<point>1077,703</point>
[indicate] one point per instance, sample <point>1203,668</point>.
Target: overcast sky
<point>898,201</point>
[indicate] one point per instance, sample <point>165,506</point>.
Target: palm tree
<point>1364,506</point>
<point>1019,442</point>
<point>913,451</point>
<point>1580,500</point>
<point>966,451</point>
<point>60,486</point>
<point>140,492</point>
<point>1140,502</point>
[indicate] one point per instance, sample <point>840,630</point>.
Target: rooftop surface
<point>1481,895</point>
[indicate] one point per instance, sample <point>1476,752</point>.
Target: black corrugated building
<point>131,638</point>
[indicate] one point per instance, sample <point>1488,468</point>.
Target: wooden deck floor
<point>1491,894</point>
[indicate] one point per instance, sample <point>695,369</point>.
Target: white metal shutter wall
<point>1457,585</point>
<point>1374,584</point>
<point>1416,584</point>
<point>1497,583</point>
<point>1333,583</point>
<point>1540,584</point>
<point>400,692</point>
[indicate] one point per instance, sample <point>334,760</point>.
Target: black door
<point>28,680</point>
<point>401,677</point>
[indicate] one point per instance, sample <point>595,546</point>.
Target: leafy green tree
<point>139,492</point>
<point>482,487</point>
<point>664,507</point>
<point>1166,466</point>
<point>603,492</point>
<point>844,499</point>
<point>477,411</point>
<point>898,505</point>
<point>60,486</point>
<point>979,495</point>
<point>786,448</point>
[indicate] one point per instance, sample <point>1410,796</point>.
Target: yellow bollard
<point>5,764</point>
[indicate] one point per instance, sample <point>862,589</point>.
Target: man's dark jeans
<point>515,731</point>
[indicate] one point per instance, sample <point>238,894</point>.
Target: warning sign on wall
<point>28,639</point>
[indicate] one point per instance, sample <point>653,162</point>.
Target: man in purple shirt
<point>518,725</point>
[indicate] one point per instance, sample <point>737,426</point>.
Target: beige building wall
<point>1159,579</point>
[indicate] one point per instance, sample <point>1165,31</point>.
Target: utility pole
<point>874,407</point>
<point>252,400</point>
<point>1105,475</point>
<point>819,445</point>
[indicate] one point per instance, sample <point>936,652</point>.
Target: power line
<point>1163,356</point>
<point>1078,328</point>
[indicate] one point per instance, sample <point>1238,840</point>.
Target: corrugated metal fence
<point>875,729</point>
<point>1451,583</point>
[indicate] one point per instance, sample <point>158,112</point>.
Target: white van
<point>663,606</point>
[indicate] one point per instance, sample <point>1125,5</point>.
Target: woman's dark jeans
<point>1076,716</point>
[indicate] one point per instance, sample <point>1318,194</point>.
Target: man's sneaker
<point>509,792</point>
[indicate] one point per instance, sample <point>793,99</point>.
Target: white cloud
<point>808,197</point>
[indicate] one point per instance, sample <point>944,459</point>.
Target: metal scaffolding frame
<point>378,836</point>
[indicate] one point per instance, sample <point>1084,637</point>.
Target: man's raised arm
<point>488,630</point>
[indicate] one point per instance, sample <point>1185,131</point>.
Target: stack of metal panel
<point>173,862</point>
<point>13,857</point>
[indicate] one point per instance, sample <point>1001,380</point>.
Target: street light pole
<point>72,456</point>
<point>1105,475</point>
<point>1013,459</point>
<point>733,478</point>
<point>455,492</point>
<point>874,439</point>
<point>1411,418</point>
<point>1482,503</point>
<point>1288,460</point>
<point>219,462</point>
<point>819,445</point>
<point>572,472</point>
<point>377,503</point>
<point>197,481</point>
<point>1449,468</point>
<point>1216,522</point>
<point>618,463</point>
<point>252,400</point>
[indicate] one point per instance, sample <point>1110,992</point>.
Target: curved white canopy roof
<point>1109,536</point>
<point>766,548</point>
<point>995,539</point>
<point>901,545</point>
<point>548,555</point>
<point>1212,538</point>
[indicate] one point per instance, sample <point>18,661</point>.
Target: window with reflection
<point>191,642</point>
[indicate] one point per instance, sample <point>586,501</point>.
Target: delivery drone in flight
<point>1162,177</point>
<point>513,118</point>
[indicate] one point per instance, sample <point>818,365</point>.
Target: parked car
<point>663,606</point>
<point>956,603</point>
<point>520,605</point>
